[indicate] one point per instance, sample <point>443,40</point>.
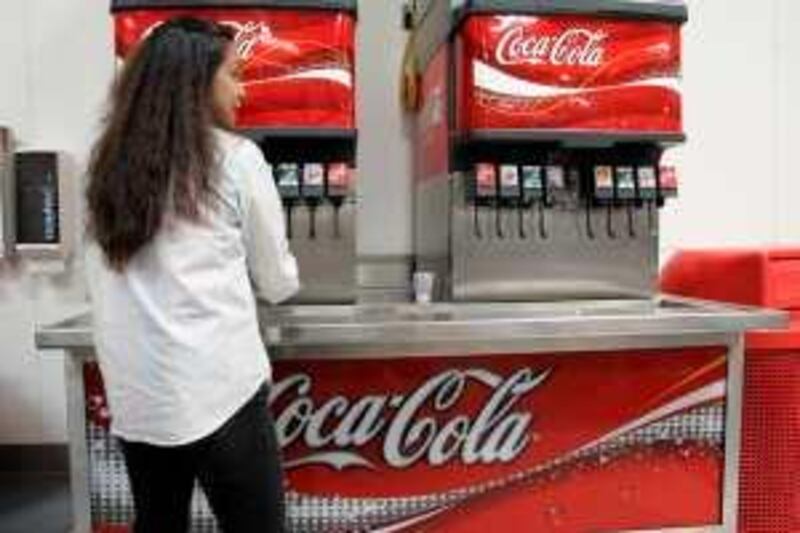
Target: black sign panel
<point>37,198</point>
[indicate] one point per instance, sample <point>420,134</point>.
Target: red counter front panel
<point>577,442</point>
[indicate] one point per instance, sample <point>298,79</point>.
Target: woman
<point>184,225</point>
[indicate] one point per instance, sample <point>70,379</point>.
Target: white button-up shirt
<point>176,333</point>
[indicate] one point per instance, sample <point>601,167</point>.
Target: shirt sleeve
<point>271,264</point>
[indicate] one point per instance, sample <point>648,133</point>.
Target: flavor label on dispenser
<point>668,178</point>
<point>604,182</point>
<point>287,177</point>
<point>485,180</point>
<point>648,184</point>
<point>626,184</point>
<point>532,183</point>
<point>555,177</point>
<point>339,178</point>
<point>509,181</point>
<point>313,180</point>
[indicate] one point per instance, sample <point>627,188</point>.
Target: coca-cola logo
<point>573,47</point>
<point>248,35</point>
<point>409,428</point>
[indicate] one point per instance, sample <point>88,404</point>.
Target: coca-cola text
<point>574,47</point>
<point>406,423</point>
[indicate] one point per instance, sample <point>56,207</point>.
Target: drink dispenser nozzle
<point>510,196</point>
<point>313,192</point>
<point>555,191</point>
<point>528,184</point>
<point>648,191</point>
<point>287,178</point>
<point>626,194</point>
<point>588,188</point>
<point>338,188</point>
<point>604,196</point>
<point>485,193</point>
<point>522,230</point>
<point>534,193</point>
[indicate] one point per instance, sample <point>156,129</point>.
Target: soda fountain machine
<point>553,389</point>
<point>299,106</point>
<point>539,142</point>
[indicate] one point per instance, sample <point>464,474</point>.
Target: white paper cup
<point>423,287</point>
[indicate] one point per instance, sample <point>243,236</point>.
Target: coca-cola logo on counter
<point>424,424</point>
<point>572,47</point>
<point>397,428</point>
<point>509,442</point>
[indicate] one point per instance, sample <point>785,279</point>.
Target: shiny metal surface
<point>384,279</point>
<point>533,254</point>
<point>487,255</point>
<point>432,204</point>
<point>373,330</point>
<point>78,447</point>
<point>733,433</point>
<point>376,272</point>
<point>326,259</point>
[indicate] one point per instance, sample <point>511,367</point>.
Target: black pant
<point>238,467</point>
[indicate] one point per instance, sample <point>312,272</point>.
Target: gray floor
<point>34,503</point>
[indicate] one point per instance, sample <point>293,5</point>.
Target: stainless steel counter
<point>443,330</point>
<point>377,330</point>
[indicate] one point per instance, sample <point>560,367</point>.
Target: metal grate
<point>770,464</point>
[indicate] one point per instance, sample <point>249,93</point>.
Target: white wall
<point>787,182</point>
<point>739,183</point>
<point>54,70</point>
<point>740,186</point>
<point>384,157</point>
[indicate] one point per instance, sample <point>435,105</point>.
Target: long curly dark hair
<point>156,150</point>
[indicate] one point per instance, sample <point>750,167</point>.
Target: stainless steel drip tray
<point>482,326</point>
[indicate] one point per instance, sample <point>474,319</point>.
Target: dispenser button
<point>287,178</point>
<point>532,184</point>
<point>509,181</point>
<point>555,177</point>
<point>339,179</point>
<point>668,178</point>
<point>626,183</point>
<point>486,180</point>
<point>648,184</point>
<point>313,180</point>
<point>603,183</point>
